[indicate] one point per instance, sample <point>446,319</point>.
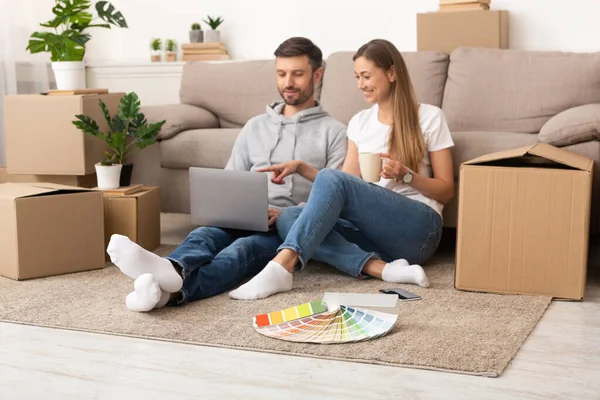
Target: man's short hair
<point>299,46</point>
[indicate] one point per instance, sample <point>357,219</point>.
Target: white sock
<point>164,299</point>
<point>146,294</point>
<point>133,260</point>
<point>272,279</point>
<point>398,271</point>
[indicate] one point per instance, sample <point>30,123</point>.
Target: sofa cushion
<point>342,99</point>
<point>234,91</point>
<point>179,117</point>
<point>208,148</point>
<point>516,90</point>
<point>472,144</point>
<point>575,125</point>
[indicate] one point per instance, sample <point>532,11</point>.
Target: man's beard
<point>303,96</point>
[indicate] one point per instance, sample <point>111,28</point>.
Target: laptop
<point>229,199</point>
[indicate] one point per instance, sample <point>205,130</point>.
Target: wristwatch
<point>406,178</point>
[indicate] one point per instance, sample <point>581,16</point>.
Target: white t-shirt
<point>370,135</point>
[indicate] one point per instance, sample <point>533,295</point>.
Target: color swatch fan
<point>314,323</point>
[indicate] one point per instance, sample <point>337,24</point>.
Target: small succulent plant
<point>171,45</point>
<point>156,44</point>
<point>214,22</point>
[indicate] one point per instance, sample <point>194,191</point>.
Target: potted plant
<point>171,48</point>
<point>196,34</point>
<point>126,129</point>
<point>155,50</point>
<point>67,44</point>
<point>213,35</point>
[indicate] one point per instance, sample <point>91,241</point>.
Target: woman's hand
<point>280,171</point>
<point>392,169</point>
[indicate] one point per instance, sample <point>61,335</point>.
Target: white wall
<point>253,29</point>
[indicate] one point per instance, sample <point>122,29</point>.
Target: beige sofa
<point>493,100</point>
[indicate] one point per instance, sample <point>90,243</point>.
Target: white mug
<point>370,166</point>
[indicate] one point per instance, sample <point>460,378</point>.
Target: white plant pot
<point>108,176</point>
<point>212,36</point>
<point>69,75</point>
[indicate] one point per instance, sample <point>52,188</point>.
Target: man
<point>212,260</point>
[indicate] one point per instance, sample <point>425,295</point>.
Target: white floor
<point>559,361</point>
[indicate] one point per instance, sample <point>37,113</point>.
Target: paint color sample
<point>342,325</point>
<point>290,314</point>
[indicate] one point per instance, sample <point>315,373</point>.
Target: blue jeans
<point>348,221</point>
<point>214,260</point>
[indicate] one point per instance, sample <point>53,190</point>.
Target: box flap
<point>562,156</point>
<point>14,190</point>
<point>17,190</point>
<point>56,186</point>
<point>543,150</point>
<point>500,155</point>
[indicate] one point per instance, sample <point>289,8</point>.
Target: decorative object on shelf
<point>127,128</point>
<point>204,52</point>
<point>67,44</point>
<point>156,50</point>
<point>196,34</point>
<point>213,35</point>
<point>171,48</point>
<point>464,5</point>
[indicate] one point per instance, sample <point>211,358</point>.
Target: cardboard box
<point>135,215</point>
<point>445,31</point>
<point>523,222</point>
<point>85,181</point>
<point>49,229</point>
<point>40,136</point>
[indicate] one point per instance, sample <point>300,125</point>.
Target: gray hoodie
<point>312,136</point>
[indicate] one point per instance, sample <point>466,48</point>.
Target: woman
<point>378,229</point>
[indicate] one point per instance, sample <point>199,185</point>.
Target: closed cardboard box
<point>49,229</point>
<point>523,222</point>
<point>445,31</point>
<point>40,136</point>
<point>135,215</point>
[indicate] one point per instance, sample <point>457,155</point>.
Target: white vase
<point>69,75</point>
<point>212,36</point>
<point>108,176</point>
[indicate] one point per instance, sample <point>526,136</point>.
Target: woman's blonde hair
<point>406,139</point>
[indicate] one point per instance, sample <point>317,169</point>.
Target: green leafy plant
<point>196,27</point>
<point>171,46</point>
<point>72,20</point>
<point>214,23</point>
<point>156,44</point>
<point>126,129</point>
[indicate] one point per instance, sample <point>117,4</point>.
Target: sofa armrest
<point>575,125</point>
<point>179,117</point>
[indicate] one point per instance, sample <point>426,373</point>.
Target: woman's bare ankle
<point>287,258</point>
<point>374,268</point>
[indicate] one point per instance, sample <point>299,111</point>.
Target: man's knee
<point>204,233</point>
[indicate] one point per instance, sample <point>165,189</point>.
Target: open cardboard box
<point>133,212</point>
<point>49,229</point>
<point>523,222</point>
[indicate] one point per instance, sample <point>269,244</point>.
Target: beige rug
<point>449,330</point>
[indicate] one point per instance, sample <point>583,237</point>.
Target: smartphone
<point>403,295</point>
